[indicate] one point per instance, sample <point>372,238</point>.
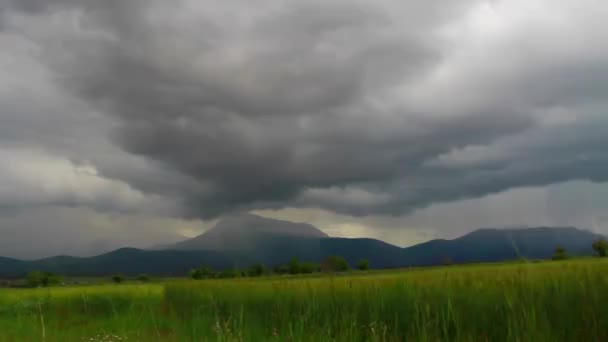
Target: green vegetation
<point>143,278</point>
<point>541,301</point>
<point>335,264</point>
<point>257,270</point>
<point>294,267</point>
<point>229,273</point>
<point>309,267</point>
<point>363,265</point>
<point>42,279</point>
<point>560,254</point>
<point>202,273</point>
<point>117,278</point>
<point>601,247</point>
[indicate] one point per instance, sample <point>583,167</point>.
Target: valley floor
<point>546,301</point>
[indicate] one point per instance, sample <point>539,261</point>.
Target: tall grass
<point>554,301</point>
<point>69,314</point>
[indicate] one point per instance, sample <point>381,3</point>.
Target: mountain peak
<point>245,230</point>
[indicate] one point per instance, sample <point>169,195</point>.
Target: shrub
<point>335,264</point>
<point>202,273</point>
<point>600,247</point>
<point>363,265</point>
<point>309,267</point>
<point>560,253</point>
<point>117,278</point>
<point>143,278</point>
<point>42,279</point>
<point>233,273</point>
<point>196,274</point>
<point>294,266</point>
<point>281,269</point>
<point>256,270</point>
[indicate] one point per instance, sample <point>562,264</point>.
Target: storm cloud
<point>354,107</point>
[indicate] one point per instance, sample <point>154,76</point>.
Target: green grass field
<point>548,301</point>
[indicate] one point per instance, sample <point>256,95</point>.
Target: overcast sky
<point>137,122</point>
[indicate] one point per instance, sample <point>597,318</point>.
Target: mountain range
<point>243,239</point>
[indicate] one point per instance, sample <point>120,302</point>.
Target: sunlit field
<point>548,301</point>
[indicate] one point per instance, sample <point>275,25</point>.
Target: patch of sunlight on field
<point>58,293</point>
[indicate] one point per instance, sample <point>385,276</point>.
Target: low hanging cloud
<point>357,107</point>
<point>31,179</point>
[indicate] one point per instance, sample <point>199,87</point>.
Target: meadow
<point>540,301</point>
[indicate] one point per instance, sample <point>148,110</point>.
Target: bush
<point>294,266</point>
<point>600,247</point>
<point>363,265</point>
<point>143,278</point>
<point>309,267</point>
<point>560,254</point>
<point>281,269</point>
<point>335,264</point>
<point>117,278</point>
<point>234,273</point>
<point>42,279</point>
<point>256,270</point>
<point>202,273</point>
<point>196,274</point>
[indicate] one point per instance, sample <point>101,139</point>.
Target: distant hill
<point>491,245</point>
<point>128,261</point>
<point>11,267</point>
<point>223,247</point>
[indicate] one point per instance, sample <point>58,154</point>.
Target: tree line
<point>46,279</point>
<point>599,246</point>
<point>293,267</point>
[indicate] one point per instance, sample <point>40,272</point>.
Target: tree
<point>42,279</point>
<point>34,278</point>
<point>232,273</point>
<point>207,272</point>
<point>202,273</point>
<point>309,267</point>
<point>560,253</point>
<point>256,270</point>
<point>294,266</point>
<point>600,247</point>
<point>335,263</point>
<point>143,278</point>
<point>117,278</point>
<point>281,269</point>
<point>363,265</point>
<point>196,274</point>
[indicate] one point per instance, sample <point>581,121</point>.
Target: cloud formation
<point>356,107</point>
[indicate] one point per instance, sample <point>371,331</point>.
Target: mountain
<point>492,245</point>
<point>9,266</point>
<point>273,242</point>
<point>128,261</point>
<point>247,232</point>
<point>278,242</point>
<point>131,261</point>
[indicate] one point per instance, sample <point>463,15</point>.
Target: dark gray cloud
<point>357,107</point>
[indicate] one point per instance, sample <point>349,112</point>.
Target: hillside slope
<point>490,245</point>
